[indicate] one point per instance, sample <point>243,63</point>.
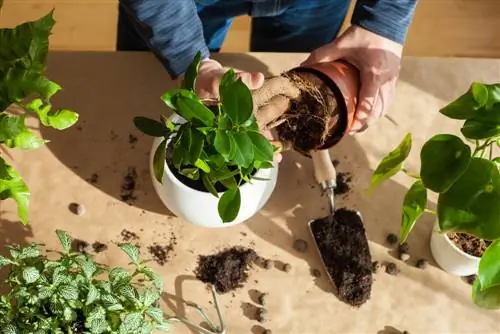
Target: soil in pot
<point>226,270</point>
<point>469,244</point>
<point>344,248</point>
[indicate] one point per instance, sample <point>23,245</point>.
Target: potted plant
<point>466,177</point>
<point>24,89</point>
<point>73,294</point>
<point>209,163</point>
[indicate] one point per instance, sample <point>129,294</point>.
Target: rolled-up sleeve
<point>171,28</point>
<point>387,18</point>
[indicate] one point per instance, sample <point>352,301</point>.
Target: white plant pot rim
<point>445,234</point>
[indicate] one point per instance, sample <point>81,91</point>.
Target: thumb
<point>252,80</point>
<point>324,54</point>
<point>368,94</point>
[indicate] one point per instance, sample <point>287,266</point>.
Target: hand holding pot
<point>377,58</point>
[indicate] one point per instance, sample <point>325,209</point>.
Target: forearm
<point>171,28</point>
<point>387,18</point>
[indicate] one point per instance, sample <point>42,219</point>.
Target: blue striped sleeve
<point>387,18</point>
<point>171,28</point>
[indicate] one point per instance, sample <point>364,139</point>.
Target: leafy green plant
<point>73,294</point>
<point>466,177</point>
<point>24,88</point>
<point>219,143</point>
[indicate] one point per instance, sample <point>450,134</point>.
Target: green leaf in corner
<point>159,160</point>
<point>208,184</point>
<point>489,266</point>
<point>471,204</point>
<point>237,101</point>
<point>150,126</point>
<point>392,163</point>
<point>64,239</point>
<point>189,81</point>
<point>131,251</point>
<point>263,149</point>
<point>229,205</point>
<point>60,119</point>
<point>488,298</point>
<point>477,129</point>
<point>444,159</point>
<point>13,186</point>
<point>414,204</point>
<point>244,150</point>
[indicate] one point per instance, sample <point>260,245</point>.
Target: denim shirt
<point>173,30</point>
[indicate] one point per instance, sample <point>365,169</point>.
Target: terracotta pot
<point>343,79</point>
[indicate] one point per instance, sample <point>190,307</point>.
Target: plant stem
<point>411,174</point>
<point>430,211</point>
<point>491,152</point>
<point>481,148</point>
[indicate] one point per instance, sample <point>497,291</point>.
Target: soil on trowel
<point>226,270</point>
<point>343,245</point>
<point>469,244</point>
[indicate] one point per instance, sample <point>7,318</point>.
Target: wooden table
<point>109,89</point>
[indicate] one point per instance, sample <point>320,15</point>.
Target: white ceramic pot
<point>200,208</point>
<point>449,257</point>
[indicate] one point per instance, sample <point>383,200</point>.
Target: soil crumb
<point>79,245</point>
<point>343,245</point>
<point>77,209</point>
<point>99,247</point>
<point>132,139</point>
<point>127,193</point>
<point>128,235</point>
<point>226,270</point>
<point>469,244</point>
<point>94,178</point>
<point>161,253</point>
<point>343,183</point>
<point>300,245</point>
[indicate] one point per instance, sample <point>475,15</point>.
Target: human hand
<point>377,58</point>
<point>207,87</point>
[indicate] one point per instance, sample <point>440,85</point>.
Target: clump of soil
<point>127,193</point>
<point>99,247</point>
<point>376,267</point>
<point>94,178</point>
<point>128,235</point>
<point>315,272</point>
<point>422,264</point>
<point>287,267</point>
<point>79,245</point>
<point>226,270</point>
<point>310,117</point>
<point>300,245</point>
<point>469,244</point>
<point>161,253</point>
<point>343,183</point>
<point>77,208</point>
<point>343,245</point>
<point>392,239</point>
<point>392,269</point>
<point>403,248</point>
<point>132,139</point>
<point>470,279</point>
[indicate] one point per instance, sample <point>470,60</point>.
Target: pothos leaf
<point>149,126</point>
<point>414,204</point>
<point>13,186</point>
<point>229,205</point>
<point>208,184</point>
<point>159,160</point>
<point>60,119</point>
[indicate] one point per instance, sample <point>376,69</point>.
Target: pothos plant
<point>219,144</point>
<point>73,294</point>
<point>24,89</point>
<point>466,176</point>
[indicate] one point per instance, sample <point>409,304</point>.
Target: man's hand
<point>207,86</point>
<point>378,60</point>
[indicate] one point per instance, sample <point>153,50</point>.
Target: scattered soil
<point>267,331</point>
<point>94,178</point>
<point>403,248</point>
<point>262,315</point>
<point>80,246</point>
<point>343,245</point>
<point>132,139</point>
<point>99,247</point>
<point>128,187</point>
<point>263,299</point>
<point>470,279</point>
<point>375,267</point>
<point>392,239</point>
<point>300,245</point>
<point>392,269</point>
<point>343,183</point>
<point>78,327</point>
<point>422,263</point>
<point>128,236</point>
<point>308,122</point>
<point>335,163</point>
<point>287,267</point>
<point>315,272</point>
<point>226,270</point>
<point>161,253</point>
<point>469,244</point>
<point>77,208</point>
<point>267,264</point>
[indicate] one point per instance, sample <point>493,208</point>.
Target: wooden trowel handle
<point>324,171</point>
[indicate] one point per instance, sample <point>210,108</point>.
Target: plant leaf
<point>197,143</point>
<point>208,184</point>
<point>64,239</point>
<point>68,292</point>
<point>194,109</point>
<point>12,186</point>
<point>244,151</point>
<point>150,126</point>
<point>237,101</point>
<point>465,106</point>
<point>156,314</point>
<point>224,144</point>
<point>489,266</point>
<point>30,275</point>
<point>471,204</point>
<point>159,160</point>
<point>486,298</point>
<point>189,81</point>
<point>131,251</point>
<point>92,295</point>
<point>131,322</point>
<point>414,204</point>
<point>392,163</point>
<point>263,149</point>
<point>150,296</point>
<point>26,140</point>
<point>444,159</point>
<point>476,129</point>
<point>170,97</point>
<point>10,126</point>
<point>60,119</point>
<point>229,205</point>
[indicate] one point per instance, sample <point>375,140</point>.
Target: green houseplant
<point>466,177</point>
<point>24,90</point>
<point>73,294</point>
<point>213,146</point>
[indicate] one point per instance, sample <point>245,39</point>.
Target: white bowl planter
<point>451,258</point>
<point>199,207</point>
